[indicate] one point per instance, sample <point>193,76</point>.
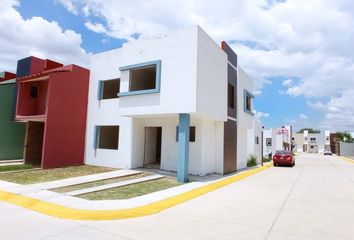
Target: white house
<point>277,139</point>
<point>169,102</point>
<point>312,142</point>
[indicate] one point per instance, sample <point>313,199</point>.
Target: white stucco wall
<point>257,126</point>
<point>211,78</point>
<point>193,75</point>
<point>106,112</point>
<point>206,154</point>
<point>244,119</point>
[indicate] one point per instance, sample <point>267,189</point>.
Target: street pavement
<point>313,200</point>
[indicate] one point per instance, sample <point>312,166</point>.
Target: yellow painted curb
<point>347,159</point>
<point>60,211</point>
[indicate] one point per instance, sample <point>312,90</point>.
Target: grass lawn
<point>18,167</point>
<point>98,183</point>
<point>37,176</point>
<point>133,190</point>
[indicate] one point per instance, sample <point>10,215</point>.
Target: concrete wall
<point>11,133</point>
<point>346,149</point>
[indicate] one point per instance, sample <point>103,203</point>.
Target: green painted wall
<point>11,134</point>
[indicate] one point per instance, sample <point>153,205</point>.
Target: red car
<point>283,158</point>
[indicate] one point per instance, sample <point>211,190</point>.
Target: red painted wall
<point>64,134</point>
<point>29,106</point>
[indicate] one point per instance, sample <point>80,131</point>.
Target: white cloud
<point>21,38</point>
<point>260,115</point>
<point>303,116</point>
<point>309,40</point>
<point>288,83</point>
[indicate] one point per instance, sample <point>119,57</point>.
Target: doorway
<point>33,143</point>
<point>152,152</point>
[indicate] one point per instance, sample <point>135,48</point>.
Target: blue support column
<point>183,147</point>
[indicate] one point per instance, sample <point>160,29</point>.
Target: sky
<point>299,53</point>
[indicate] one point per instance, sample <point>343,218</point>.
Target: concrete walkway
<point>313,200</point>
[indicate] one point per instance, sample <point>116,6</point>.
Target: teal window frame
<point>245,95</point>
<point>156,63</point>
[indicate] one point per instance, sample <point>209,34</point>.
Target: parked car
<point>284,158</point>
<point>327,152</point>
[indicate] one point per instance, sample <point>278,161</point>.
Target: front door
<point>152,152</point>
<point>34,143</point>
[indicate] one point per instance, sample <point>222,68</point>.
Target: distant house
<point>52,102</point>
<point>312,142</point>
<point>277,139</point>
<point>176,102</point>
<point>11,133</point>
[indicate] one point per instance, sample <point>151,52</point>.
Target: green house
<point>11,133</point>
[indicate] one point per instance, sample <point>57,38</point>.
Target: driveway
<point>313,200</point>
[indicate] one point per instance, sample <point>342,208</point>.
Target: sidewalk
<point>63,206</point>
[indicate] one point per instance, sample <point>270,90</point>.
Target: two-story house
<point>177,102</point>
<point>52,102</point>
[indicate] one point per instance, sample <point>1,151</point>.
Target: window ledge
<point>249,112</point>
<point>140,92</point>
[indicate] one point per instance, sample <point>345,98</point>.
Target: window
<point>305,138</point>
<point>268,142</point>
<point>231,96</point>
<point>191,134</point>
<point>248,102</point>
<point>293,138</point>
<point>143,78</point>
<point>109,89</point>
<point>34,91</point>
<point>257,140</point>
<point>107,137</point>
<point>313,139</point>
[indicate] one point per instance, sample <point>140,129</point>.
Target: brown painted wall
<point>230,127</point>
<point>230,143</point>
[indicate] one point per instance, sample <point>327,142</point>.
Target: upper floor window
<point>268,142</point>
<point>34,91</point>
<point>257,140</point>
<point>143,78</point>
<point>248,99</point>
<point>109,89</point>
<point>231,96</point>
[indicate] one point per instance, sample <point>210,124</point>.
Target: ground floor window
<point>191,133</point>
<point>107,137</point>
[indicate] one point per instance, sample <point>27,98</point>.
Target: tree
<point>311,130</point>
<point>344,137</point>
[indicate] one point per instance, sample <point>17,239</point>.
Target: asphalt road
<point>313,200</point>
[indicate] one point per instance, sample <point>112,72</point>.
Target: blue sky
<point>302,71</point>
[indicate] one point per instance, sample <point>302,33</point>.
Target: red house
<point>52,100</point>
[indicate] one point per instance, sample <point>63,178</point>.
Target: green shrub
<point>265,159</point>
<point>251,161</point>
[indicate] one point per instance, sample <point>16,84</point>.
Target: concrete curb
<point>346,159</point>
<point>64,212</point>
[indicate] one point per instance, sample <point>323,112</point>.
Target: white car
<point>327,152</point>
